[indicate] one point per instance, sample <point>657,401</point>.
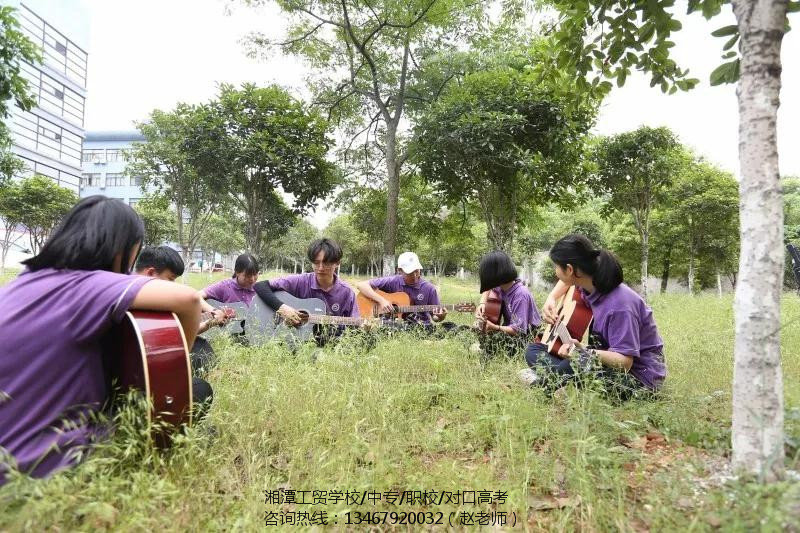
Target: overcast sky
<point>147,54</point>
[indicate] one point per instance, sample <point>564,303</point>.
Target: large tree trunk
<point>392,196</point>
<point>691,269</point>
<point>757,433</point>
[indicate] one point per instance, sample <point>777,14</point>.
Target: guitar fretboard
<point>427,308</point>
<point>336,320</point>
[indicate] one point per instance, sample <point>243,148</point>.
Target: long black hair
<point>578,251</point>
<point>90,236</point>
<point>246,263</point>
<point>495,269</point>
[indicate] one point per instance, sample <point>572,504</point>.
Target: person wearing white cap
<point>408,280</point>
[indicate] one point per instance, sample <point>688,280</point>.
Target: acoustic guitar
<point>402,305</point>
<point>238,309</point>
<point>151,355</point>
<point>574,317</point>
<point>492,311</point>
<point>264,324</point>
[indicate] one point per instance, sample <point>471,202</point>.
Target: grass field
<point>421,415</point>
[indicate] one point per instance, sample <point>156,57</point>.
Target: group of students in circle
<point>59,310</point>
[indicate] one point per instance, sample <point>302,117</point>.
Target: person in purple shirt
<point>520,317</point>
<point>408,280</point>
<point>56,317</point>
<point>239,287</point>
<point>629,354</point>
<point>323,283</point>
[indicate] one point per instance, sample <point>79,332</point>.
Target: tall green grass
<point>419,414</point>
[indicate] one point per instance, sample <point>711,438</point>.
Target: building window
<point>115,180</point>
<point>115,155</point>
<point>58,93</point>
<point>94,155</point>
<point>61,48</point>
<point>136,181</point>
<point>90,180</point>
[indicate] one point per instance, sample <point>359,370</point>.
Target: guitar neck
<point>425,308</point>
<point>566,338</point>
<point>336,320</point>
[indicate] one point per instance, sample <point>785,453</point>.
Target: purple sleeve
<point>127,297</point>
<point>622,332</point>
<point>216,291</point>
<point>288,284</point>
<point>353,307</point>
<point>433,297</point>
<point>105,298</point>
<point>519,314</point>
<point>386,284</point>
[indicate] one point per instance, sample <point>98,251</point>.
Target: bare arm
<point>158,295</point>
<point>550,307</point>
<point>384,305</point>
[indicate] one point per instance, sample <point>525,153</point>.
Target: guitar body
<point>237,325</point>
<point>264,324</point>
<point>151,355</point>
<point>368,308</point>
<point>492,311</point>
<point>575,314</point>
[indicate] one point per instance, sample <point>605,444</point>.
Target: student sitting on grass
<point>519,315</point>
<point>323,283</point>
<point>629,354</point>
<point>162,262</point>
<point>239,287</point>
<point>57,315</point>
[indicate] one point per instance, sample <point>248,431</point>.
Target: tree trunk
<point>645,254</point>
<point>665,271</point>
<point>691,270</point>
<point>757,432</point>
<point>392,197</point>
<point>719,283</point>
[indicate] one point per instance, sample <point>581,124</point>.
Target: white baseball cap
<point>408,262</point>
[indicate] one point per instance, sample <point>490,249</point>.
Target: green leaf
<point>731,42</point>
<point>728,55</point>
<point>725,30</point>
<point>793,7</point>
<point>725,73</point>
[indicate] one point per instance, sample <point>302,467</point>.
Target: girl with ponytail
<point>629,354</point>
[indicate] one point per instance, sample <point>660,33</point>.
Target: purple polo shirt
<point>51,361</point>
<point>520,310</point>
<point>339,298</point>
<point>421,293</point>
<point>229,291</point>
<point>625,325</point>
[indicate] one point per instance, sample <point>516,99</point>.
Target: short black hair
<point>495,269</point>
<point>161,258</point>
<point>332,252</point>
<point>246,263</point>
<point>90,236</point>
<point>601,265</point>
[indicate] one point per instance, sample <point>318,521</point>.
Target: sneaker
<point>528,376</point>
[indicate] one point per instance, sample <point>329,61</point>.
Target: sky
<point>146,54</point>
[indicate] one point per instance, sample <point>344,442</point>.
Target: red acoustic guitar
<point>151,355</point>
<point>573,313</point>
<point>492,310</point>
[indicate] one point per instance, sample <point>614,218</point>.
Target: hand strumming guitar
<point>439,314</point>
<point>550,310</point>
<point>289,315</point>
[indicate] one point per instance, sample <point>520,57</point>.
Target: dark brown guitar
<point>492,311</point>
<point>151,355</point>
